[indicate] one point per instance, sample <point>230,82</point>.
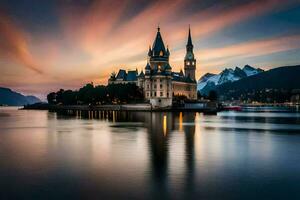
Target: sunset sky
<point>51,44</point>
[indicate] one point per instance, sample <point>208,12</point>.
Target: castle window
<point>155,94</point>
<point>188,63</point>
<point>147,94</point>
<point>161,53</point>
<point>161,86</point>
<point>161,94</point>
<point>147,86</point>
<point>193,63</point>
<point>154,85</point>
<point>167,94</point>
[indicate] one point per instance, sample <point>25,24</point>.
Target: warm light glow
<point>165,125</point>
<point>180,121</point>
<point>114,116</point>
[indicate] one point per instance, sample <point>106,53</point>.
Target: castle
<point>159,83</point>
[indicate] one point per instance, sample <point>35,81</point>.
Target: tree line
<point>97,95</point>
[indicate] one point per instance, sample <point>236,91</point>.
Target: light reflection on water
<point>149,155</point>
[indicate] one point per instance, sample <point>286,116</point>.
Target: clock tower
<point>189,60</point>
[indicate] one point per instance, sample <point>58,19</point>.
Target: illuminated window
<point>193,63</point>
<point>161,53</point>
<point>188,63</point>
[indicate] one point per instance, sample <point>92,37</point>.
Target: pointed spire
<point>148,67</point>
<point>168,52</point>
<point>158,44</point>
<point>150,51</point>
<point>181,72</point>
<point>189,43</point>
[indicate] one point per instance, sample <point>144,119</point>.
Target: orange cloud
<point>13,44</point>
<point>95,40</point>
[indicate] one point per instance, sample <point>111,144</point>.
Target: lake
<point>143,155</point>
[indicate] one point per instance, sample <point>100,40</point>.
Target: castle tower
<point>158,74</point>
<point>189,60</point>
<point>159,54</point>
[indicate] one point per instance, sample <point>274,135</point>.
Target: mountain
<point>210,81</point>
<point>277,82</point>
<point>251,71</point>
<point>32,99</point>
<point>12,98</point>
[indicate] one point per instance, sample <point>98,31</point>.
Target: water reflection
<point>148,155</point>
<point>160,127</point>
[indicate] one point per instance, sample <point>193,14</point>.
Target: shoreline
<point>200,107</point>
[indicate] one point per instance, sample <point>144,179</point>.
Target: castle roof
<point>127,76</point>
<point>179,77</point>
<point>121,74</point>
<point>158,44</point>
<point>142,75</point>
<point>131,76</point>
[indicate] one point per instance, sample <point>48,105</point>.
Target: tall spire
<point>189,43</point>
<point>189,60</point>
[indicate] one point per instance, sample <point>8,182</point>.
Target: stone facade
<point>159,83</point>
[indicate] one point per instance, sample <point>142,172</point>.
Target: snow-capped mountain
<point>210,81</point>
<point>251,70</point>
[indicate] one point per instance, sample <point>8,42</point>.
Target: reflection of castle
<point>159,83</point>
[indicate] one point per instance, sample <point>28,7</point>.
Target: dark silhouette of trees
<point>213,96</point>
<point>88,94</point>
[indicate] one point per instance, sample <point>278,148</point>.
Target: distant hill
<point>12,98</point>
<point>210,81</point>
<point>278,80</point>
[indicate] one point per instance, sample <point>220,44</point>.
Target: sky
<point>52,44</point>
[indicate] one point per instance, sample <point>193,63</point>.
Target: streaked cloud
<point>14,45</point>
<point>93,38</point>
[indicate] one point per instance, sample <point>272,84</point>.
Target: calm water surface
<point>234,155</point>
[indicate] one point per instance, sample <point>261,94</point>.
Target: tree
<point>51,98</point>
<point>59,97</point>
<point>69,97</point>
<point>88,94</point>
<point>199,96</point>
<point>85,94</point>
<point>213,96</point>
